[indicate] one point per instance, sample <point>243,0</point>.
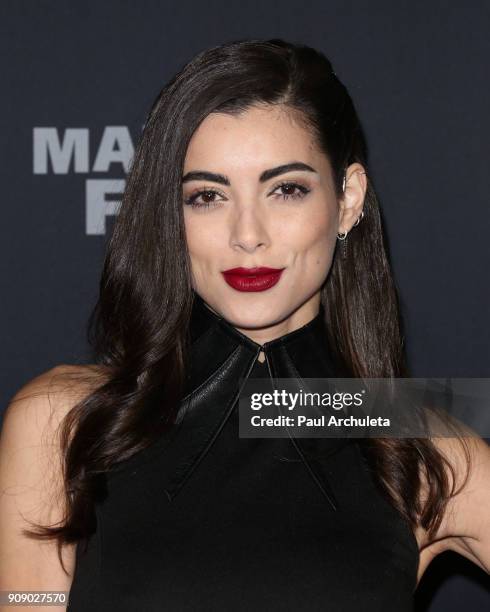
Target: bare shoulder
<point>465,527</point>
<point>35,412</point>
<point>38,407</point>
<point>31,483</point>
<point>55,387</point>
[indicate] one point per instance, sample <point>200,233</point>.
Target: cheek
<point>201,244</point>
<point>202,239</point>
<point>312,237</point>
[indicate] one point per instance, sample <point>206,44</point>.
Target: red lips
<point>252,279</point>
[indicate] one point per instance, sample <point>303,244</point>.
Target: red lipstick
<point>252,279</point>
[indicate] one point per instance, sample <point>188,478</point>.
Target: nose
<point>248,230</point>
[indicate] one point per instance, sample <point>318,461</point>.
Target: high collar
<point>304,352</point>
<point>221,360</point>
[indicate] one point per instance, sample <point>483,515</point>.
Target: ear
<point>352,201</point>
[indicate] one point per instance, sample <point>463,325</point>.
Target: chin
<point>250,317</point>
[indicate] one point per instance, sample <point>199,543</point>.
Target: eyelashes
<point>297,192</point>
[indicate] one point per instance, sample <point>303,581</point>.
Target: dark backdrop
<point>83,75</point>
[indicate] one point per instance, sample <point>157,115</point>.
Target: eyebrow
<point>202,175</point>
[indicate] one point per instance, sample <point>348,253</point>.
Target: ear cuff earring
<point>343,235</point>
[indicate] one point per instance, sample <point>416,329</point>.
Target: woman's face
<point>239,218</point>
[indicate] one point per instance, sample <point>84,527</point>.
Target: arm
<point>31,485</point>
<point>465,527</point>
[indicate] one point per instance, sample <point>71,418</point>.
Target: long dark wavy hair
<point>139,327</point>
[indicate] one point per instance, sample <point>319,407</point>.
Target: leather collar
<point>221,360</point>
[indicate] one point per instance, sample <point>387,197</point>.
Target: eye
<point>207,195</point>
<point>291,191</point>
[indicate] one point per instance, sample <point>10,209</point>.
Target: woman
<point>252,157</point>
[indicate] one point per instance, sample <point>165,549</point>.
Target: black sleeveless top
<point>204,520</point>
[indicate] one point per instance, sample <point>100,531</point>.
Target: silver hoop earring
<point>359,218</point>
<point>342,235</point>
<point>343,184</point>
